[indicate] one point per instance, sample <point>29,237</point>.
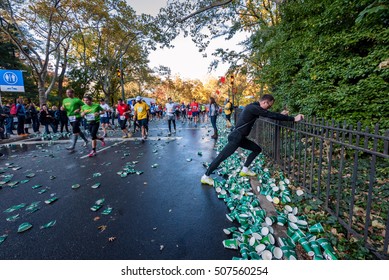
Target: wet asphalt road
<point>162,214</point>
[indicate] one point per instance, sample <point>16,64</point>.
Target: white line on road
<point>111,139</point>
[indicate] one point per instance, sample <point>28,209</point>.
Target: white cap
<point>138,98</point>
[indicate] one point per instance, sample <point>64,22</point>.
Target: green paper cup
<point>289,253</point>
<point>229,230</point>
<point>270,220</point>
<point>276,251</point>
<point>329,255</point>
<point>297,235</point>
<point>281,220</point>
<point>254,256</point>
<point>316,228</point>
<point>324,243</point>
<point>305,244</point>
<point>260,213</point>
<point>230,244</point>
<point>268,239</point>
<point>310,237</point>
<point>316,248</point>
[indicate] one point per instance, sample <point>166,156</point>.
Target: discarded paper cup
<point>269,198</point>
<point>254,256</point>
<point>281,220</point>
<point>276,200</point>
<point>305,244</point>
<point>268,239</point>
<point>289,252</point>
<point>316,228</point>
<point>293,226</point>
<point>257,236</point>
<point>292,218</point>
<point>277,253</point>
<point>260,213</point>
<point>253,241</point>
<point>267,255</point>
<point>230,244</point>
<point>229,230</point>
<point>295,210</point>
<point>324,243</point>
<point>265,231</point>
<point>270,220</point>
<point>297,235</point>
<point>288,208</point>
<point>260,248</point>
<point>329,255</point>
<point>316,248</point>
<point>310,237</point>
<point>299,192</point>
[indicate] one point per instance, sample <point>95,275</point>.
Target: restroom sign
<point>11,81</point>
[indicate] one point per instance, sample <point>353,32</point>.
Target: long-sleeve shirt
<point>253,111</point>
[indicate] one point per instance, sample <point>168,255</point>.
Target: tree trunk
<point>42,92</point>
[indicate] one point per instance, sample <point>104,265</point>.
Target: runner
<point>104,118</point>
<point>91,112</point>
<point>170,111</point>
<point>195,111</point>
<point>141,112</point>
<point>123,111</point>
<point>73,106</point>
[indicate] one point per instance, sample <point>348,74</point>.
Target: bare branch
<point>210,7</point>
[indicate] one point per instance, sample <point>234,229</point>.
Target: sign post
<point>11,81</point>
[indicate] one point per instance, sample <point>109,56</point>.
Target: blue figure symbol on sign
<point>10,78</point>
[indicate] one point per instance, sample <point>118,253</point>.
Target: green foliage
<point>324,62</point>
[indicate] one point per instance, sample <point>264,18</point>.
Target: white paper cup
<point>292,218</point>
<point>267,255</point>
<point>299,192</point>
<point>264,231</point>
<point>277,253</point>
<point>260,248</point>
<point>288,208</point>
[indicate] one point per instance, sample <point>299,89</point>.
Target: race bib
<point>122,118</point>
<point>90,117</point>
<point>72,118</point>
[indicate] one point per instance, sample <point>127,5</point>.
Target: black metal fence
<point>345,167</point>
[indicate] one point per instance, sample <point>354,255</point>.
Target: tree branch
<point>199,11</point>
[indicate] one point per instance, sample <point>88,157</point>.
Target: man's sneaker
<point>129,135</point>
<point>169,134</point>
<point>103,142</point>
<point>85,143</point>
<point>92,154</point>
<point>247,173</point>
<point>70,148</point>
<point>125,136</point>
<point>207,180</point>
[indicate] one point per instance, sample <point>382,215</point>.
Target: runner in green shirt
<point>72,106</point>
<point>91,112</point>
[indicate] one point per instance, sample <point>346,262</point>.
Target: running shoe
<point>207,180</point>
<point>247,173</point>
<point>102,142</point>
<point>85,143</point>
<point>125,136</point>
<point>92,154</point>
<point>70,148</point>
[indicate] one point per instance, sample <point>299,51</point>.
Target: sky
<point>184,59</point>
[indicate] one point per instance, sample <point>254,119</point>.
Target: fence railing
<point>345,167</point>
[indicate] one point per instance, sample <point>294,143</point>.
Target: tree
<point>36,28</point>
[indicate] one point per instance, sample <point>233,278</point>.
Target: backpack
<point>13,110</point>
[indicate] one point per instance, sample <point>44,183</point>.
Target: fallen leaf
<point>96,218</point>
<point>102,228</point>
<point>112,238</point>
<point>161,247</point>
